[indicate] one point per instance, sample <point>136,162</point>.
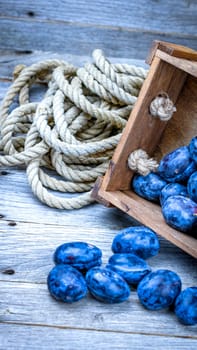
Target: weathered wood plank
<point>165,16</point>
<point>10,58</point>
<point>82,39</point>
<point>19,204</point>
<point>34,338</point>
<point>31,304</point>
<point>29,246</point>
<point>3,89</point>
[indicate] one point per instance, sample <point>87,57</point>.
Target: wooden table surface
<point>30,231</point>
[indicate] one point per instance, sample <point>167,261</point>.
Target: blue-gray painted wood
<point>38,258</point>
<point>169,16</point>
<point>121,28</point>
<point>30,231</point>
<point>10,58</point>
<point>80,39</point>
<point>61,338</point>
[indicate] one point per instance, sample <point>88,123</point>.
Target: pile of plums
<point>174,186</point>
<point>79,269</point>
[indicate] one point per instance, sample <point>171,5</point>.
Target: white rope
<point>162,107</point>
<point>139,161</point>
<point>68,137</point>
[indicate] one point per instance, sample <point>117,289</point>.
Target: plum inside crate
<point>173,70</point>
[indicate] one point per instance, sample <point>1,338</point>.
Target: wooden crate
<point>173,70</point>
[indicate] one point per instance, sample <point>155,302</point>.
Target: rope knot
<point>140,162</point>
<point>162,107</point>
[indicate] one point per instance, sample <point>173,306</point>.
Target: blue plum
<point>186,306</point>
<point>159,289</point>
<point>131,267</point>
<point>192,186</point>
<point>149,186</point>
<point>80,255</point>
<point>66,284</point>
<point>172,189</point>
<point>193,149</point>
<point>138,240</point>
<point>106,285</point>
<point>177,166</point>
<point>180,212</point>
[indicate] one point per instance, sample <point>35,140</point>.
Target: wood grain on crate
<point>143,131</point>
<point>151,134</point>
<point>160,48</point>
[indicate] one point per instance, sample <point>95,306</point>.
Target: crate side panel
<point>171,49</point>
<point>143,130</point>
<point>183,126</point>
<point>186,65</point>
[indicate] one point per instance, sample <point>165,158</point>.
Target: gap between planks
<point>117,28</point>
<point>97,330</point>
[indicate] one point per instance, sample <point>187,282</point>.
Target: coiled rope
<point>67,139</point>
